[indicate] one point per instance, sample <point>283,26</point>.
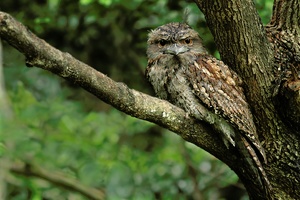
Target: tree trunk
<point>268,60</point>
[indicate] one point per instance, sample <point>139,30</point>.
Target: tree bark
<point>255,52</point>
<point>260,56</point>
<point>283,32</point>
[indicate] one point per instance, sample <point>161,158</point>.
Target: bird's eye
<point>188,41</point>
<point>162,43</point>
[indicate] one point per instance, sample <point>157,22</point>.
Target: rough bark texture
<point>283,32</point>
<point>267,58</point>
<point>261,59</point>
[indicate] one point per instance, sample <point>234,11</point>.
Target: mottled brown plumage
<point>182,72</point>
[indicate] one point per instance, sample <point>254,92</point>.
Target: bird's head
<point>174,40</point>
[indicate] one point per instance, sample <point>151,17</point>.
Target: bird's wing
<point>218,87</point>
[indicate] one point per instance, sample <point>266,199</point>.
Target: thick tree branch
<point>40,54</point>
<point>239,22</point>
<point>57,178</point>
<point>249,54</point>
<point>284,34</point>
<point>286,15</point>
<point>243,45</point>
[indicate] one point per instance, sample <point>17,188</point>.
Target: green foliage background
<point>60,127</point>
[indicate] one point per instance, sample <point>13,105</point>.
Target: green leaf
<point>105,2</point>
<point>86,2</point>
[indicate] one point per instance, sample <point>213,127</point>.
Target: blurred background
<point>57,127</point>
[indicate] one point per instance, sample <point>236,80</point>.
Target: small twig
<point>57,178</point>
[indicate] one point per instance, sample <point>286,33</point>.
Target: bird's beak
<point>174,49</point>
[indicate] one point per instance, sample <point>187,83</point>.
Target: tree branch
<point>40,54</point>
<point>243,45</point>
<point>246,48</point>
<point>240,25</point>
<point>57,178</point>
<point>286,15</point>
<point>284,34</point>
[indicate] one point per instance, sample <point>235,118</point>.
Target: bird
<point>182,72</point>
